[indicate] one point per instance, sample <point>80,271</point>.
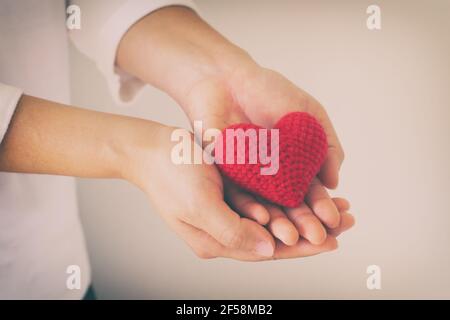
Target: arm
<point>173,49</point>
<point>217,82</point>
<point>49,138</point>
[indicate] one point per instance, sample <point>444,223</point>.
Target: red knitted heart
<point>301,151</point>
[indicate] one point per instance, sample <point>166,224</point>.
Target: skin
<point>49,138</point>
<point>217,82</point>
<point>213,81</point>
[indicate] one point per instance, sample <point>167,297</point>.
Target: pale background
<point>387,92</point>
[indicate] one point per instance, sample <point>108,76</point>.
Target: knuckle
<point>232,238</point>
<point>193,217</point>
<point>204,249</point>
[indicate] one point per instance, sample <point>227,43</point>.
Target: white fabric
<point>40,231</point>
<point>9,97</point>
<point>103,26</point>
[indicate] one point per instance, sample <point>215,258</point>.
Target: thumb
<point>234,232</point>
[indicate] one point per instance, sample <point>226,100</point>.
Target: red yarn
<point>302,150</point>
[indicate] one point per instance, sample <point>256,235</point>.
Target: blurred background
<point>387,92</point>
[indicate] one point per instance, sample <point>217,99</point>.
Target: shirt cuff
<point>124,86</point>
<point>9,98</point>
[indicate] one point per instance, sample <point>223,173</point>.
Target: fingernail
<point>264,249</point>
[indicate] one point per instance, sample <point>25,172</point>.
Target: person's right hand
<point>189,197</point>
<point>218,83</point>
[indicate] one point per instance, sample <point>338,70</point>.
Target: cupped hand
<point>190,199</point>
<point>250,93</point>
<point>219,83</point>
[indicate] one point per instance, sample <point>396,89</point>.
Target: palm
<point>262,96</point>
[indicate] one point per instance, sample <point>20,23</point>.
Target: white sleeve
<point>9,97</point>
<point>103,24</point>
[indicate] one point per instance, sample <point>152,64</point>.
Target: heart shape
<point>300,151</point>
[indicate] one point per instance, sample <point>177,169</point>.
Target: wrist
<point>136,146</point>
<point>173,49</point>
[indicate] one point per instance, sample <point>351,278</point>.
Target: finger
<point>202,244</point>
<point>307,224</point>
<point>347,222</point>
<point>232,231</point>
<point>206,247</point>
<point>281,227</point>
<point>329,173</point>
<point>341,204</point>
<point>303,248</point>
<point>245,204</point>
<point>322,205</point>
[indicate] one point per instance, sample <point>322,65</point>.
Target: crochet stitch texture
<point>301,151</point>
